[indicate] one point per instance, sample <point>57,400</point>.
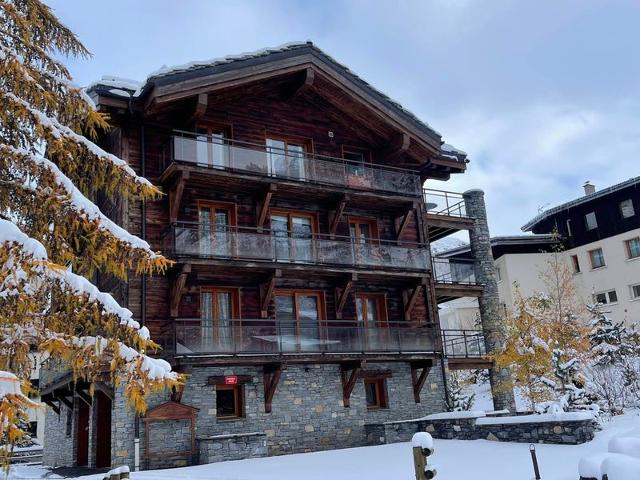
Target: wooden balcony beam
<point>342,294</point>
<point>419,373</point>
<point>178,289</point>
<point>272,373</point>
<point>349,373</point>
<point>263,206</point>
<point>175,196</point>
<point>336,215</point>
<point>266,292</point>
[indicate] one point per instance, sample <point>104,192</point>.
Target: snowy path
<point>454,460</point>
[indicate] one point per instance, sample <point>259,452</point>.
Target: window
<point>498,273</point>
<point>216,222</point>
<point>356,170</point>
<point>371,314</point>
<point>569,227</point>
<point>212,148</point>
<point>626,208</point>
<point>606,297</point>
<point>363,230</point>
<point>294,232</point>
<point>635,291</point>
<point>633,247</point>
<point>597,258</point>
<point>300,314</point>
<point>229,401</point>
<point>590,221</point>
<point>218,308</point>
<point>286,158</point>
<point>576,263</point>
<point>375,390</point>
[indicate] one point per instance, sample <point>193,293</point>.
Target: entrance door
<point>103,430</point>
<point>299,315</point>
<point>293,232</point>
<point>216,222</point>
<point>82,435</point>
<point>217,309</point>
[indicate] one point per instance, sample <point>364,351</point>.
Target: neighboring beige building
<point>600,232</point>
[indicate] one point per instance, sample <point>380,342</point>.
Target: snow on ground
<point>454,460</point>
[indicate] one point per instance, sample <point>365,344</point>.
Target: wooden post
<point>422,448</point>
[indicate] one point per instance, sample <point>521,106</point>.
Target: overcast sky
<point>542,95</point>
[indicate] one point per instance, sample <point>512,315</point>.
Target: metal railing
<point>246,243</point>
<point>463,343</point>
<point>454,270</point>
<point>276,337</point>
<point>268,161</point>
<point>440,202</point>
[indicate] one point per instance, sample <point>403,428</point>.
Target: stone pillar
<point>490,311</point>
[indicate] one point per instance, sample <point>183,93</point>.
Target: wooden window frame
<point>382,397</point>
<point>373,224</point>
<point>239,407</point>
<point>235,300</point>
<point>287,139</point>
<point>295,293</point>
<point>315,228</point>
<point>213,204</point>
<point>381,307</point>
<point>210,127</point>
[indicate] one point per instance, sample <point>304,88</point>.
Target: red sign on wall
<point>231,380</point>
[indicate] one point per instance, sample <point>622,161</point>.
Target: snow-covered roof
<point>120,87</point>
<point>501,241</point>
<point>579,201</point>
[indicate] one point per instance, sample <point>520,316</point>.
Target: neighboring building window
<point>626,208</point>
<point>375,390</point>
<point>606,297</point>
<point>576,263</point>
<point>498,273</point>
<point>590,221</point>
<point>569,227</point>
<point>229,401</point>
<point>635,291</point>
<point>633,247</point>
<point>597,258</point>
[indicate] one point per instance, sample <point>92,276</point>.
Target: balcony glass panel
<point>290,161</point>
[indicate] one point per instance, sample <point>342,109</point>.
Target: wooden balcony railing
<point>244,157</point>
<point>463,343</point>
<point>277,337</point>
<point>454,270</point>
<point>245,243</point>
<point>440,202</point>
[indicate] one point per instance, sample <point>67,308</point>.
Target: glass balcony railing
<point>463,343</point>
<point>298,166</point>
<point>244,243</point>
<point>440,202</point>
<point>275,337</point>
<point>454,270</point>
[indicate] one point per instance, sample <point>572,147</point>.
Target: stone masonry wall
<point>166,440</point>
<point>570,432</point>
<point>231,447</point>
<point>59,449</point>
<point>307,409</point>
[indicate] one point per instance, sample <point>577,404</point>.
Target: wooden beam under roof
<point>300,85</point>
<point>342,294</point>
<point>177,288</point>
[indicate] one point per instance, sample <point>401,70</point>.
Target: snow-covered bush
<point>461,396</point>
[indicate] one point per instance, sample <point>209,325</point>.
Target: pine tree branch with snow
<point>50,169</point>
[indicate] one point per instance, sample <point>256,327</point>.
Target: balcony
<point>455,278</point>
<point>272,164</point>
<point>282,247</point>
<point>269,337</point>
<point>465,350</point>
<point>445,213</point>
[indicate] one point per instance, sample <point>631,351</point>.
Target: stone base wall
<point>231,447</point>
<point>59,448</point>
<point>557,432</point>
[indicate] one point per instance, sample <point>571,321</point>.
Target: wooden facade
<point>271,167</point>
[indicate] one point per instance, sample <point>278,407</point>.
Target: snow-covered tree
<point>52,236</point>
<point>609,340</point>
<point>460,396</point>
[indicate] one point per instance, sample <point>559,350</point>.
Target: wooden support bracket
<point>336,215</point>
<point>419,373</point>
<point>263,206</point>
<point>398,145</point>
<point>266,292</point>
<point>84,396</point>
<point>303,83</point>
<point>349,373</point>
<point>199,108</point>
<point>177,289</point>
<point>175,196</point>
<point>403,220</point>
<point>411,296</point>
<point>342,293</point>
<point>62,396</point>
<point>49,400</point>
<point>272,373</point>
